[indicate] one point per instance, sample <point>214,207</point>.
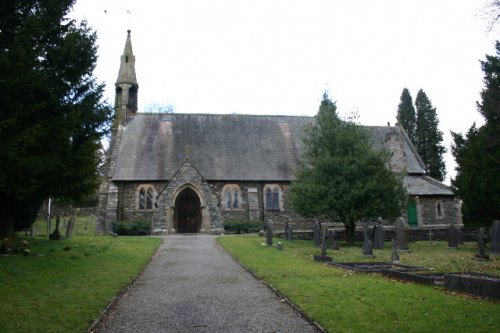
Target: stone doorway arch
<point>187,211</point>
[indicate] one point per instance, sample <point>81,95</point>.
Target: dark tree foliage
<point>342,177</point>
<point>428,137</point>
<point>406,114</point>
<point>51,114</point>
<point>477,154</point>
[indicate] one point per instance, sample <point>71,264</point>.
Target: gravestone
<point>495,237</point>
<point>285,232</point>
<point>316,231</point>
<point>279,246</point>
<point>56,235</point>
<point>395,254</point>
<point>323,257</point>
<point>452,237</point>
<point>460,236</point>
<point>481,243</point>
<point>378,236</point>
<point>290,234</point>
<point>70,227</point>
<point>333,243</point>
<point>430,237</point>
<point>401,235</point>
<point>367,244</point>
<point>269,233</point>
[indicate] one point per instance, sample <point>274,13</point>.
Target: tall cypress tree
<point>428,137</point>
<point>406,114</point>
<point>478,154</point>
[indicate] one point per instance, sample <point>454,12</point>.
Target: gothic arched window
<point>145,197</point>
<point>231,196</point>
<point>272,200</point>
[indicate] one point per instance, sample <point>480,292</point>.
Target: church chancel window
<point>272,194</point>
<point>231,197</point>
<point>145,197</point>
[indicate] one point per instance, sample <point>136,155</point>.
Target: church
<point>189,173</point>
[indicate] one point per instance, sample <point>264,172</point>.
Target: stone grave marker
<point>70,227</point>
<point>333,243</point>
<point>452,237</point>
<point>269,233</point>
<point>290,234</point>
<point>430,234</point>
<point>481,243</point>
<point>378,236</point>
<point>495,237</point>
<point>395,254</point>
<point>367,244</point>
<point>279,246</point>
<point>401,235</point>
<point>316,231</point>
<point>460,236</point>
<point>285,232</point>
<point>323,256</point>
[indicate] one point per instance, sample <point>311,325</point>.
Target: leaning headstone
<point>452,237</point>
<point>460,236</point>
<point>495,237</point>
<point>333,243</point>
<point>481,243</point>
<point>378,236</point>
<point>316,231</point>
<point>290,234</point>
<point>401,235</point>
<point>285,232</point>
<point>269,233</point>
<point>70,227</point>
<point>367,244</point>
<point>323,256</point>
<point>395,254</point>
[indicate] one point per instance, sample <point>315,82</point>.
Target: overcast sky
<point>278,56</point>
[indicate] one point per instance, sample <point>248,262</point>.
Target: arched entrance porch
<point>187,212</point>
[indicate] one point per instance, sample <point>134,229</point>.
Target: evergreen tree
<point>406,114</point>
<point>428,137</point>
<point>342,177</point>
<point>51,114</point>
<point>477,154</point>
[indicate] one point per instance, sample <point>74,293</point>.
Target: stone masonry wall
<point>428,211</point>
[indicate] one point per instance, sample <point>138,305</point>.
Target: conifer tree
<point>477,154</point>
<point>51,112</point>
<point>428,137</point>
<point>406,114</point>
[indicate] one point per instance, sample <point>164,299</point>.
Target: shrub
<point>242,227</point>
<point>133,228</point>
<point>14,246</point>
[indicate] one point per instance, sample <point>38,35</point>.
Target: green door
<point>412,214</point>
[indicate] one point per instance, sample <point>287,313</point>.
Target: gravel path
<point>191,285</point>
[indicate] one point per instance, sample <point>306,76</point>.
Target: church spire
<point>126,85</point>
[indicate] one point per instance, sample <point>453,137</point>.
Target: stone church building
<point>189,173</point>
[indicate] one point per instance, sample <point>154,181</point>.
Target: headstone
<point>481,243</point>
<point>395,254</point>
<point>452,237</point>
<point>316,231</point>
<point>279,246</point>
<point>378,236</point>
<point>460,236</point>
<point>401,235</point>
<point>290,234</point>
<point>323,257</point>
<point>495,237</point>
<point>333,243</point>
<point>269,233</point>
<point>367,244</point>
<point>285,232</point>
<point>70,227</point>
<point>56,235</point>
<point>430,237</point>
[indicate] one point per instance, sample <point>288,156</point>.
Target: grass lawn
<point>343,301</point>
<point>64,285</point>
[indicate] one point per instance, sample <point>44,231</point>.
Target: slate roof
<point>224,147</point>
<point>425,185</point>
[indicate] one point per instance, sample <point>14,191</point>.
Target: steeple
<point>126,86</point>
